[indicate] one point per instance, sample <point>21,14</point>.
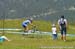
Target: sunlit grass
<point>35,42</point>
<point>41,25</point>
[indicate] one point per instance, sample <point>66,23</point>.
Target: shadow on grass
<point>71,40</point>
<point>33,36</point>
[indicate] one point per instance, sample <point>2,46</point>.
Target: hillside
<point>41,9</point>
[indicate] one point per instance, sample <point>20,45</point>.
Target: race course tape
<point>36,32</point>
<point>39,33</point>
<point>8,29</point>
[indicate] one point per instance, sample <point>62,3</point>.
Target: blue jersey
<point>1,39</point>
<point>26,22</point>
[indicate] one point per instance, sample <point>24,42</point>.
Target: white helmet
<point>53,25</point>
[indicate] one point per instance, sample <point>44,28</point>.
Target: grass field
<point>41,25</point>
<point>35,41</point>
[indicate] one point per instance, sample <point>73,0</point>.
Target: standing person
<point>62,22</point>
<point>54,32</point>
<point>26,23</point>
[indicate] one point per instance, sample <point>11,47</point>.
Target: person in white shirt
<point>54,33</point>
<point>62,22</point>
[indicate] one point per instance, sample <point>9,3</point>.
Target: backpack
<point>62,23</point>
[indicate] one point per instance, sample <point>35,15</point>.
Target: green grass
<point>17,23</point>
<point>35,42</point>
<point>41,25</point>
